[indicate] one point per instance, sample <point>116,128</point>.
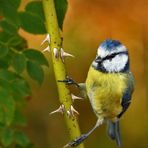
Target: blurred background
<point>87,24</point>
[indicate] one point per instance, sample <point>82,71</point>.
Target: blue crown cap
<point>110,44</point>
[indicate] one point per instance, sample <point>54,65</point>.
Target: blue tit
<point>109,86</point>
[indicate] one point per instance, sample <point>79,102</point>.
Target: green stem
<point>59,67</point>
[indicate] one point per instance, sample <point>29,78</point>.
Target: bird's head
<point>112,56</point>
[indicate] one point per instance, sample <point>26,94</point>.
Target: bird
<point>109,87</point>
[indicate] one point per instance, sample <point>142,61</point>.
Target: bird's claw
<point>69,81</point>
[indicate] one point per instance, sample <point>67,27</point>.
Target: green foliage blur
<point>16,59</point>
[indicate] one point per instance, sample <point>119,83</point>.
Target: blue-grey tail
<point>113,132</point>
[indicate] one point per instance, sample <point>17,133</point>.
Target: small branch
<point>59,68</point>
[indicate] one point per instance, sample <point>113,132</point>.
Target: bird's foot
<point>76,142</point>
<point>69,81</point>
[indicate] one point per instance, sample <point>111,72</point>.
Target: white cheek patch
<point>116,64</point>
<point>94,64</point>
<point>103,52</point>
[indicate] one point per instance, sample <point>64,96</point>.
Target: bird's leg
<point>80,139</point>
<point>80,86</point>
<point>69,81</point>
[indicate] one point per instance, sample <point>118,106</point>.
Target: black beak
<point>98,60</point>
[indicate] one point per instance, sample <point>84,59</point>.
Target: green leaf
<point>13,40</point>
<point>3,50</point>
<point>21,87</point>
<point>35,7</point>
<point>6,60</point>
<point>4,36</point>
<point>19,119</point>
<point>32,23</point>
<point>4,63</point>
<point>61,8</point>
<point>1,9</point>
<point>21,138</point>
<point>9,10</point>
<point>36,56</point>
<point>17,42</point>
<point>19,62</point>
<point>15,3</point>
<point>2,116</point>
<point>6,137</point>
<point>8,27</point>
<point>7,75</point>
<point>8,105</point>
<point>35,71</point>
<point>4,84</point>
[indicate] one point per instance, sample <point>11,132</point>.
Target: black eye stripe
<point>109,57</point>
<point>98,63</point>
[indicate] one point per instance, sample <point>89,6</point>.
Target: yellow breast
<point>105,91</point>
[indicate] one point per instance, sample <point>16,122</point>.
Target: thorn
<point>47,39</point>
<point>61,109</point>
<point>65,54</point>
<point>69,114</point>
<point>55,51</point>
<point>46,49</point>
<point>76,97</point>
<point>73,111</point>
<point>67,145</point>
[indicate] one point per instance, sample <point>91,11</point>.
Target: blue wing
<point>126,99</point>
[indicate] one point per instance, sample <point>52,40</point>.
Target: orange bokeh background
<point>87,24</point>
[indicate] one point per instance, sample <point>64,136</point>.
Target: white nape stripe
<point>121,48</point>
<point>116,64</point>
<point>103,52</point>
